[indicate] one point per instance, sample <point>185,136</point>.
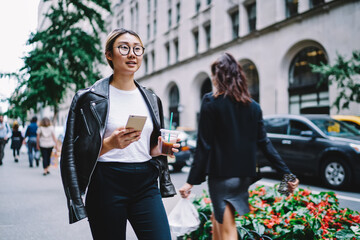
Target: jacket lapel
<point>151,101</point>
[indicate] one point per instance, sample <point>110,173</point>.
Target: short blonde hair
<point>45,122</point>
<point>110,40</point>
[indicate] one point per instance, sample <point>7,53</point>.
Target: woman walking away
<point>118,167</point>
<point>227,154</point>
<point>16,141</point>
<point>46,141</point>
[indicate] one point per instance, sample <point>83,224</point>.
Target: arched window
<point>174,100</point>
<point>306,94</point>
<point>252,77</point>
<point>205,88</point>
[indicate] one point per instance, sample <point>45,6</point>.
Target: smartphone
<point>136,122</point>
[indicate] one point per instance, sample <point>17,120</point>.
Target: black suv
<point>316,145</point>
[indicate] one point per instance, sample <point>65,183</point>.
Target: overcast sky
<point>18,18</point>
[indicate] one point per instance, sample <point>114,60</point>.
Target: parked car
<point>185,155</point>
<point>316,145</point>
<point>350,119</point>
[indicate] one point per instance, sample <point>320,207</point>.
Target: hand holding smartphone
<point>136,122</point>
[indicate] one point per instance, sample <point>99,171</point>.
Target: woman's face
<point>126,64</point>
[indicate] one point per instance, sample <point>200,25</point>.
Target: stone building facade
<point>274,40</point>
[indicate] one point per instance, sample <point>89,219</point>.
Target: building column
<point>280,10</point>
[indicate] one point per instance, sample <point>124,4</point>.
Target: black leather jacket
<point>85,130</point>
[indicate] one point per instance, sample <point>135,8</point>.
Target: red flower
<point>207,200</point>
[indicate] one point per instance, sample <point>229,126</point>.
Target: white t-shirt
<point>46,136</point>
<point>122,104</point>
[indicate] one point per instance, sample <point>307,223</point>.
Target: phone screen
<point>136,122</point>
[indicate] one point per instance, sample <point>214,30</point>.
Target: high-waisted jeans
<point>126,191</point>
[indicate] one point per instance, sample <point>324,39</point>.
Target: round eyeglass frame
<point>124,54</point>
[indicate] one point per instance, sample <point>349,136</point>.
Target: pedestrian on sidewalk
<point>16,141</point>
<point>118,167</point>
<point>45,142</point>
<point>31,137</point>
<point>227,154</point>
<point>5,133</point>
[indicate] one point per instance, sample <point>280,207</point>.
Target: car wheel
<point>335,173</point>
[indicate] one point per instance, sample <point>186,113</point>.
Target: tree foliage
<point>346,75</point>
<point>65,56</point>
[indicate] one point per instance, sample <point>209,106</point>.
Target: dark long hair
<point>229,79</point>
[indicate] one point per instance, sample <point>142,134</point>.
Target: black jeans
<point>2,146</point>
<point>46,154</point>
<point>126,191</point>
<point>16,152</point>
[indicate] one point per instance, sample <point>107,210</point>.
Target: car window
<point>335,128</point>
<point>296,127</point>
<point>276,125</point>
<point>357,126</point>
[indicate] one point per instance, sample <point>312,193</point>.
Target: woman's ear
<point>108,55</point>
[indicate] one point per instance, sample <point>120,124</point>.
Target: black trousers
<point>126,191</point>
<point>46,155</point>
<point>2,146</point>
<point>16,152</point>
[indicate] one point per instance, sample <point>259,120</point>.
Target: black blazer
<point>229,134</point>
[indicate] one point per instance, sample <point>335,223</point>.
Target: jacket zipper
<point>101,143</point>
<point>86,124</point>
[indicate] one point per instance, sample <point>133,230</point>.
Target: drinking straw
<point>171,117</point>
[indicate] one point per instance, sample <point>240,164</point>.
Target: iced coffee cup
<point>168,138</point>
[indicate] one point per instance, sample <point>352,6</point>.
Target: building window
<point>197,5</point>
<point>315,3</point>
<point>132,18</point>
<point>153,60</point>
<point>291,7</point>
<point>252,78</point>
<point>205,88</point>
<point>148,31</point>
<point>136,17</point>
<point>235,24</point>
<point>196,41</point>
<point>155,4</point>
<point>167,47</point>
<point>169,17</point>
<point>176,45</point>
<point>154,27</point>
<point>305,93</point>
<point>178,12</point>
<point>251,11</point>
<point>208,2</point>
<point>208,36</point>
<point>149,5</point>
<point>146,64</point>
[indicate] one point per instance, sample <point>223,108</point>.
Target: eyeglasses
<point>125,49</point>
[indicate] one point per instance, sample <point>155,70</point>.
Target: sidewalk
<point>33,206</point>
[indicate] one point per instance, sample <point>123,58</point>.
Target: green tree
<point>346,75</point>
<point>65,57</point>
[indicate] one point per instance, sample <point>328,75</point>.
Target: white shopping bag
<point>184,218</point>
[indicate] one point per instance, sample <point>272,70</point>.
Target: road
<point>33,206</point>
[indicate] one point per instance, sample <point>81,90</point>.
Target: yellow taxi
<point>351,119</point>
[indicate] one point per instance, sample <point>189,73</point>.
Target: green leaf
<point>344,234</point>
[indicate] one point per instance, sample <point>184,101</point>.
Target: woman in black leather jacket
<point>118,167</point>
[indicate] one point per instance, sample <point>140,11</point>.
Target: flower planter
<point>302,215</point>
